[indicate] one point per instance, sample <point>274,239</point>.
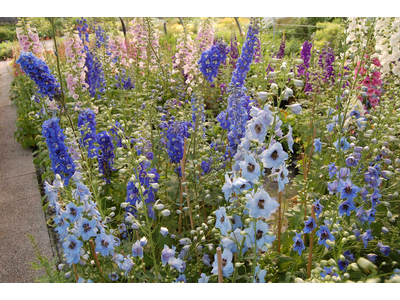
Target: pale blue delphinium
<point>282,177</point>
<point>227,265</point>
<point>233,242</point>
<point>203,278</point>
<point>86,229</point>
<point>127,264</point>
<point>295,108</point>
<point>113,276</point>
<point>222,221</point>
<point>261,204</point>
<point>258,129</point>
<point>164,231</point>
<point>72,249</point>
<point>289,138</point>
<point>250,168</point>
<point>104,244</point>
<point>259,276</point>
<point>72,212</point>
<point>167,254</point>
<point>344,144</point>
<point>259,236</point>
<point>274,156</point>
<point>236,222</point>
<point>317,145</point>
<point>137,249</point>
<point>298,243</point>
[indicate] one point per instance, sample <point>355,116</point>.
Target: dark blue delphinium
<point>61,162</point>
<point>114,131</point>
<point>305,55</point>
<point>234,53</point>
<point>39,72</point>
<point>95,75</point>
<point>124,81</point>
<point>105,154</point>
<point>87,124</point>
<point>176,133</point>
<point>211,59</point>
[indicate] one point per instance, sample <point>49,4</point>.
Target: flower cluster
<point>105,154</point>
<point>87,125</point>
<point>28,40</point>
<point>61,162</point>
<point>39,72</point>
<point>211,59</point>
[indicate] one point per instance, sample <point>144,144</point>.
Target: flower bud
<point>165,212</point>
<point>124,204</point>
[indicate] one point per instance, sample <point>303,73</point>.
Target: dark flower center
<point>104,243</point>
<point>233,221</point>
<point>73,211</point>
<point>345,206</point>
<point>86,227</point>
<point>243,186</point>
<point>259,234</point>
<point>298,244</point>
<point>348,189</point>
<point>324,235</point>
<point>310,225</point>
<point>258,128</point>
<point>274,155</point>
<point>261,203</point>
<point>282,175</point>
<point>224,262</point>
<point>250,167</point>
<point>72,245</point>
<point>222,219</point>
<point>257,279</point>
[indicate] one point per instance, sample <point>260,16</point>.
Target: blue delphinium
<point>105,244</point>
<point>344,144</point>
<point>309,225</point>
<point>61,162</point>
<point>222,221</point>
<point>349,256</point>
<point>105,155</point>
<point>274,156</point>
<point>261,204</point>
<point>87,125</point>
<point>167,254</point>
<point>250,168</point>
<point>72,249</point>
<point>227,265</point>
<point>113,276</point>
<point>318,207</point>
<point>324,234</point>
<point>180,279</point>
<point>231,243</point>
<point>211,59</point>
<point>176,133</point>
<point>258,235</point>
<point>124,81</point>
<point>259,276</point>
<point>95,74</point>
<point>298,244</point>
<point>346,207</point>
<point>203,278</point>
<point>348,190</point>
<point>137,249</point>
<point>86,229</point>
<point>317,145</point>
<point>385,250</point>
<point>39,72</point>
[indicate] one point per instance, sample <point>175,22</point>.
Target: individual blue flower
<point>351,161</point>
<point>360,215</point>
<point>385,250</point>
<point>282,177</point>
<point>346,207</point>
<point>72,249</point>
<point>274,156</point>
<point>384,230</point>
<point>113,276</point>
<point>317,145</point>
<point>137,249</point>
<point>318,207</point>
<point>236,222</point>
<point>372,257</point>
<point>233,242</point>
<point>344,144</point>
<point>332,169</point>
<point>167,254</point>
<point>180,279</point>
<point>62,227</point>
<point>227,265</point>
<point>222,221</point>
<point>127,264</point>
<point>258,129</point>
<point>330,127</point>
<point>348,255</point>
<point>178,264</point>
<point>261,204</point>
<point>342,264</point>
<point>250,168</point>
<point>366,237</point>
<point>86,229</point>
<point>298,244</point>
<point>324,234</point>
<point>328,271</point>
<point>333,187</point>
<point>206,260</point>
<point>343,173</point>
<point>104,244</point>
<point>289,138</point>
<point>81,192</point>
<point>72,212</point>
<point>259,235</point>
<point>259,276</point>
<point>348,190</point>
<point>203,278</point>
<point>375,196</point>
<point>309,225</point>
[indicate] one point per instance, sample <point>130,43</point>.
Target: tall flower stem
<point>219,258</point>
<point>279,221</point>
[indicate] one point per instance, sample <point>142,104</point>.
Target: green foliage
<point>7,33</point>
<point>328,34</point>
